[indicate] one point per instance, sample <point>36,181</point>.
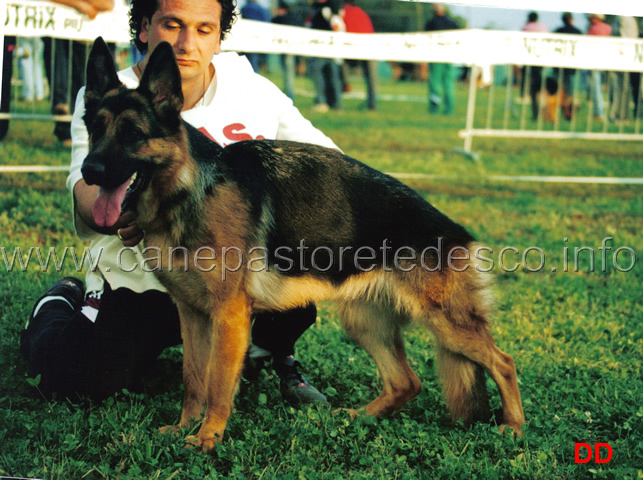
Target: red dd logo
<point>588,452</point>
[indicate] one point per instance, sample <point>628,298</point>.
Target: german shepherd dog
<point>323,224</point>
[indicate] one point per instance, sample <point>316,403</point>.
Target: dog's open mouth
<point>111,203</point>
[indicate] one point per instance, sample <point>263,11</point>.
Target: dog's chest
<point>176,265</point>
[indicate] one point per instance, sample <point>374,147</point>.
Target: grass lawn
<point>576,333</point>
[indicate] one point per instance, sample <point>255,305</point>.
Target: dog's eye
<point>132,135</point>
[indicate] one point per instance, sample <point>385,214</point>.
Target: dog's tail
<point>468,305</point>
<point>463,386</point>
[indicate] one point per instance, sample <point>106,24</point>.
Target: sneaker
<point>320,108</point>
<point>69,290</point>
<point>294,387</point>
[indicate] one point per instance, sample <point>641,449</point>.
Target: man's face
<point>192,27</point>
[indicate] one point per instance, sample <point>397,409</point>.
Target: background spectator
<point>635,83</point>
<point>9,45</point>
<point>357,20</point>
<point>442,76</point>
<point>325,71</point>
<point>286,17</point>
<point>30,68</point>
<point>568,76</point>
<point>533,74</point>
<point>253,11</point>
<point>600,28</point>
<point>624,27</point>
<point>65,77</point>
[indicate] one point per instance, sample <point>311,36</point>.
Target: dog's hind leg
<point>456,307</point>
<point>462,350</point>
<point>231,323</point>
<point>378,330</point>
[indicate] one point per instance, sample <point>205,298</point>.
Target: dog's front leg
<point>196,332</point>
<point>231,333</point>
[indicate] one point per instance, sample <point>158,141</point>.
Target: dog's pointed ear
<point>101,72</point>
<point>162,82</point>
<point>101,76</point>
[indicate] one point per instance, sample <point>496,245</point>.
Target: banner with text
<point>614,7</point>
<point>30,18</point>
<point>470,46</point>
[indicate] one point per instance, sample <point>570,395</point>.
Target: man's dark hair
<point>533,17</point>
<point>141,9</point>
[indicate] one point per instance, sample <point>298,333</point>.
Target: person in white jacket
<point>621,82</point>
<point>102,341</point>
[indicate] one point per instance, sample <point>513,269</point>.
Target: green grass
<point>576,336</point>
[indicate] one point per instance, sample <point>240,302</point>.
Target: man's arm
<point>91,8</point>
<point>292,125</point>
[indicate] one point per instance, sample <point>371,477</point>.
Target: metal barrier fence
<point>45,74</point>
<point>548,102</point>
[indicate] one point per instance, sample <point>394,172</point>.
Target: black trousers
<point>9,44</point>
<point>535,84</point>
<point>77,356</point>
<point>65,70</point>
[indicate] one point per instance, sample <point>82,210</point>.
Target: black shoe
<point>69,289</point>
<point>294,387</point>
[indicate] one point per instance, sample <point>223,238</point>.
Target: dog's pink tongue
<point>107,207</point>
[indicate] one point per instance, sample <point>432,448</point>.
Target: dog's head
<point>125,126</point>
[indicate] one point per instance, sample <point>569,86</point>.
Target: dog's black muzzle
<point>105,172</point>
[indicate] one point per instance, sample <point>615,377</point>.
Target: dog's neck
<point>181,188</point>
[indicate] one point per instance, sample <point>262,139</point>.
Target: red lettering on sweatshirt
<point>233,132</point>
<point>207,134</point>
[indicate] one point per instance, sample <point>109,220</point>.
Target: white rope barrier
<point>410,176</point>
<point>527,178</point>
<point>468,46</point>
<point>32,169</point>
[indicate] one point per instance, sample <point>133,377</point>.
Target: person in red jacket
<point>358,21</point>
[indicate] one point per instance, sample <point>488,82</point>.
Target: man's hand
<point>91,8</point>
<point>129,234</point>
<point>125,227</point>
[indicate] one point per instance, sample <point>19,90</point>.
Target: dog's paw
<point>514,430</point>
<point>208,445</point>
<point>351,412</point>
<point>192,441</point>
<point>173,429</point>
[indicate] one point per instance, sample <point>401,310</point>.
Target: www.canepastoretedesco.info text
<point>603,257</point>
